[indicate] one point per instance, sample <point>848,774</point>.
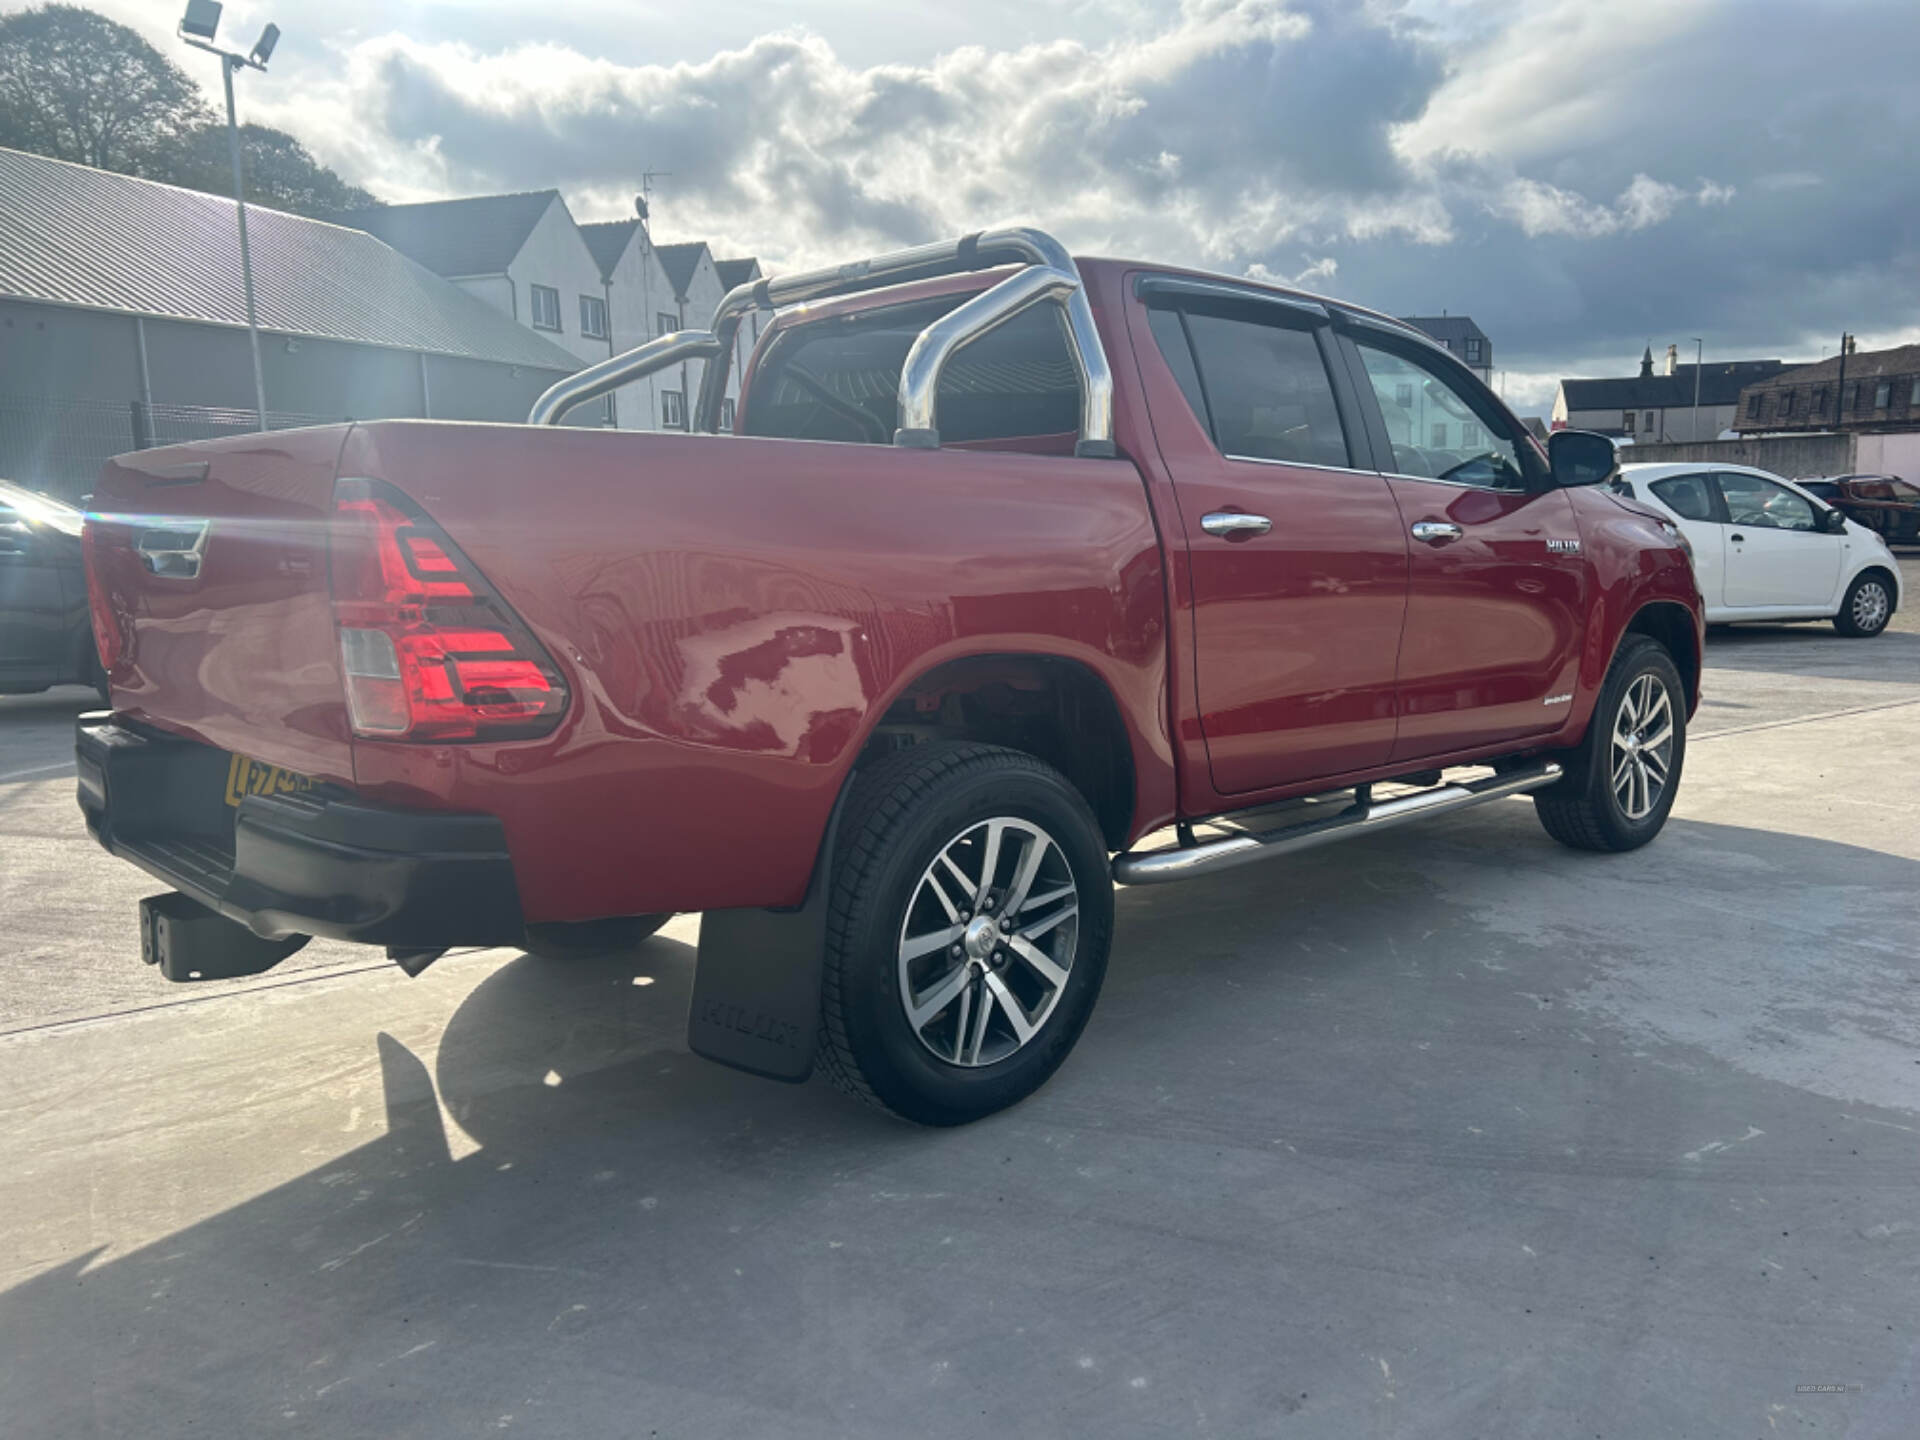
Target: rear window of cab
<point>839,379</point>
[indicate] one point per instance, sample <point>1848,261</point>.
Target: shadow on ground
<point>1386,1141</point>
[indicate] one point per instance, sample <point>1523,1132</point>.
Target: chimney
<point>1673,359</point>
<point>1646,364</point>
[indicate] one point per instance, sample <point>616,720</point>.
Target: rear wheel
<point>1619,785</point>
<point>967,938</point>
<point>1866,607</point>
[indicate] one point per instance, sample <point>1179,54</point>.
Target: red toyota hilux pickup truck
<point>1010,562</point>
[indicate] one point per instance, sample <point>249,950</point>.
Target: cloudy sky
<point>1582,178</point>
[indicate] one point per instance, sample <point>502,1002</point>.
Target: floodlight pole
<point>228,64</point>
<point>231,61</point>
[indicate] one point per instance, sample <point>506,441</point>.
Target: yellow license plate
<point>249,777</point>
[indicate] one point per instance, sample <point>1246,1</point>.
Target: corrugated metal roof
<point>474,235</point>
<point>71,235</point>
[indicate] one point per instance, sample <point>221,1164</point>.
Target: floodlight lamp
<point>202,19</point>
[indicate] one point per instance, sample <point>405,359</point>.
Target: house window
<point>546,307</point>
<point>1469,436</point>
<point>665,324</point>
<point>1883,395</point>
<point>1850,397</point>
<point>726,416</point>
<point>1403,395</point>
<point>1473,351</point>
<point>1753,407</point>
<point>1819,400</point>
<point>1786,403</point>
<point>673,410</point>
<point>1646,422</point>
<point>1439,435</point>
<point>593,317</point>
<point>1913,395</point>
<point>1626,423</point>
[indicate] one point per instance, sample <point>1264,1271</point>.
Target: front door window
<point>1438,429</point>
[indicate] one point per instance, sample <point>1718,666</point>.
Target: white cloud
<point>1576,177</point>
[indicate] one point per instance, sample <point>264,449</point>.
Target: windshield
<point>41,509</point>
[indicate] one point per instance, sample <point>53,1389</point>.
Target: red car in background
<point>1012,561</point>
<point>1885,503</point>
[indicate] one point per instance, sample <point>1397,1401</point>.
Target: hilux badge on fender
<point>1563,547</point>
<point>1566,699</point>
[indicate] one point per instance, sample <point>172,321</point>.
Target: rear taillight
<point>106,625</point>
<point>430,650</point>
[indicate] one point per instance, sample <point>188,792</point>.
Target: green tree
<point>279,171</point>
<point>77,86</point>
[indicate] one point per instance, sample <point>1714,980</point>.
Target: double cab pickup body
<point>1011,562</point>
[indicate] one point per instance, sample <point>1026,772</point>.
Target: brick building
<point>1881,392</point>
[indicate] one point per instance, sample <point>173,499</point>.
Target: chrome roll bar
<point>1051,276</point>
<point>610,374</point>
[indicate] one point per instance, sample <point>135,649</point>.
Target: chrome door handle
<point>1230,524</point>
<point>1435,531</point>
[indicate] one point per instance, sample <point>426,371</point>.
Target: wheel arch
<point>1881,568</point>
<point>1058,709</point>
<point>1672,625</point>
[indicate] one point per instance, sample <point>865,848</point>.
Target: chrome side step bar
<point>1363,817</point>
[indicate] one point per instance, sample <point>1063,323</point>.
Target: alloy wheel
<point>1642,752</point>
<point>988,941</point>
<point>1870,606</point>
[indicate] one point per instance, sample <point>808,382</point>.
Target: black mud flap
<point>756,983</point>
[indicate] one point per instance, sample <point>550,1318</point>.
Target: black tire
<point>1583,809</point>
<point>903,814</point>
<point>1860,618</point>
<point>590,937</point>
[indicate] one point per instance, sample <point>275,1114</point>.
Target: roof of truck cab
<point>1090,267</point>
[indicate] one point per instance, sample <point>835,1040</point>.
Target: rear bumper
<point>317,863</point>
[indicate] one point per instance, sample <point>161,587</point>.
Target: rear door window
<point>839,379</point>
<point>1688,496</point>
<point>1260,387</point>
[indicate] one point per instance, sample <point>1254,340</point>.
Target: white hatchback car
<point>1764,549</point>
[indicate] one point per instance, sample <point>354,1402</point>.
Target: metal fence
<point>59,445</point>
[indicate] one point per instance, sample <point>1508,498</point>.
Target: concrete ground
<point>1448,1132</point>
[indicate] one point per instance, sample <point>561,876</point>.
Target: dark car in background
<point>46,637</point>
<point>1880,502</point>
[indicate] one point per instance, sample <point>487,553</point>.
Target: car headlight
<point>1679,537</point>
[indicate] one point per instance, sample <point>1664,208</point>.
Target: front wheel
<point>967,938</point>
<point>1866,608</point>
<point>1619,785</point>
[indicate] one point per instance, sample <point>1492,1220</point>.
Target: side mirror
<point>1833,522</point>
<point>1579,457</point>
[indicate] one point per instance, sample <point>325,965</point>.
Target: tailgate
<point>210,561</point>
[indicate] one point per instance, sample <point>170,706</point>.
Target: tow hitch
<point>190,942</point>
